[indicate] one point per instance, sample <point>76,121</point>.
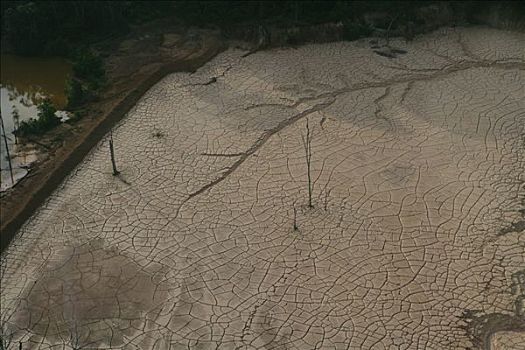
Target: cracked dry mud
<point>419,194</point>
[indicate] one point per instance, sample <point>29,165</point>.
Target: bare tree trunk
<point>307,143</point>
<point>112,153</point>
<point>295,227</point>
<point>7,150</point>
<point>16,122</point>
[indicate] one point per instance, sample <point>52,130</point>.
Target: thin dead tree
<point>7,151</point>
<point>112,153</point>
<point>307,144</point>
<point>295,227</point>
<point>16,122</point>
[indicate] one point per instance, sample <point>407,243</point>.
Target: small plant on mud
<point>5,342</point>
<point>157,133</point>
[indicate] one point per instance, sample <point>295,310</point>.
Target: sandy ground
<point>418,190</point>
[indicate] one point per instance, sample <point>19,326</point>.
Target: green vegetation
<point>70,28</point>
<point>56,27</point>
<point>88,77</point>
<point>75,93</point>
<point>89,67</point>
<point>46,120</point>
<point>225,14</point>
<point>354,31</point>
<point>60,27</point>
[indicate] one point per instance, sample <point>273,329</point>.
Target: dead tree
<point>16,122</point>
<point>7,151</point>
<point>112,153</point>
<point>307,144</point>
<point>295,227</point>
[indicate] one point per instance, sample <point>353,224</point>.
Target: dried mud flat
<point>415,240</point>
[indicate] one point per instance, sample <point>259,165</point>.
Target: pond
<point>26,81</point>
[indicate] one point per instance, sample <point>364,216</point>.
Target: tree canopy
<point>54,27</point>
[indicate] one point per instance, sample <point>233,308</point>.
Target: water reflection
<point>25,82</point>
<point>32,76</point>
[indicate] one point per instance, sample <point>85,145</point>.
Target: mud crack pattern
<point>418,168</point>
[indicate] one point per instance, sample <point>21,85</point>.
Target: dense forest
<point>58,27</point>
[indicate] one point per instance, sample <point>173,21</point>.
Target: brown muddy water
<point>26,81</point>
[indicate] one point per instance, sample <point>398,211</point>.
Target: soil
<point>482,327</point>
<point>141,60</point>
<point>134,64</point>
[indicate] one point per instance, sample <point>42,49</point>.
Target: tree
<point>7,150</point>
<point>89,67</point>
<point>295,227</point>
<point>112,153</point>
<point>75,93</point>
<point>16,122</point>
<point>307,144</point>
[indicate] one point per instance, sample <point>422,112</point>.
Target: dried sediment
<point>416,167</point>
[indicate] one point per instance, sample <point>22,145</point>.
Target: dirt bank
<point>138,63</point>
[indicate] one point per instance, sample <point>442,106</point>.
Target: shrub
<point>89,76</point>
<point>46,120</point>
<point>87,66</point>
<point>23,25</point>
<point>76,116</point>
<point>75,93</point>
